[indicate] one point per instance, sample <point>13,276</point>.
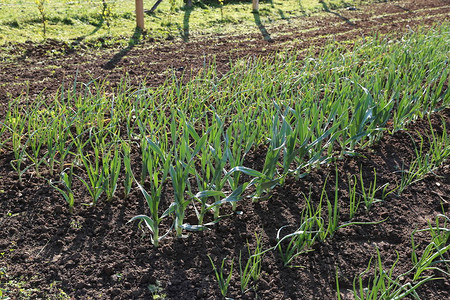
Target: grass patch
<point>115,19</point>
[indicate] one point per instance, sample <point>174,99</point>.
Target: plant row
<point>193,138</point>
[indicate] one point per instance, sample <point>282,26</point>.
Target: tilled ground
<point>95,254</point>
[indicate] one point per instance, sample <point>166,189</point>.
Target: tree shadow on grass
<point>134,40</point>
<point>327,9</point>
<point>261,27</point>
<point>282,15</point>
<point>79,39</point>
<point>184,32</point>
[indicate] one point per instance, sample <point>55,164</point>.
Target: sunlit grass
<point>78,21</point>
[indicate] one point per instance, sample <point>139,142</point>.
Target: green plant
<point>253,267</point>
<point>211,179</point>
<point>16,122</point>
<point>36,142</point>
<point>424,163</point>
<point>66,180</point>
<point>128,180</point>
<point>111,167</point>
<point>439,145</point>
<point>224,282</point>
<point>106,13</point>
<point>158,165</point>
<point>238,140</point>
<point>435,252</point>
<point>368,195</point>
<point>269,177</point>
<point>314,227</point>
<point>40,4</point>
<point>354,197</point>
<point>92,166</point>
<point>382,285</point>
<point>181,169</point>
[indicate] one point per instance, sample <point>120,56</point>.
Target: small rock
<point>58,210</point>
<point>107,270</point>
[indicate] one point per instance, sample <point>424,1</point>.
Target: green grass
<point>84,21</point>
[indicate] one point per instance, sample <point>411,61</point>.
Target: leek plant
<point>424,163</point>
<point>308,139</point>
<point>66,179</point>
<point>368,195</point>
<point>92,165</point>
<point>183,167</point>
<point>64,141</point>
<point>19,141</point>
<point>314,226</point>
<point>214,179</point>
<point>300,241</point>
<point>212,175</point>
<point>51,145</point>
<point>439,146</point>
<point>158,165</point>
<point>435,252</point>
<point>333,212</point>
<point>128,176</point>
<point>297,242</point>
<point>111,167</point>
<point>383,285</point>
<point>368,118</point>
<point>36,143</point>
<point>270,177</point>
<point>238,140</point>
<point>224,281</point>
<point>3,137</point>
<point>37,131</point>
<point>252,269</point>
<point>354,197</point>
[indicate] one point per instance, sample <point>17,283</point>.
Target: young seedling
<point>354,197</point>
<point>40,4</point>
<point>224,281</point>
<point>126,157</point>
<point>368,196</point>
<point>252,269</point>
<point>66,191</point>
<point>435,252</point>
<point>111,167</point>
<point>382,285</point>
<point>158,165</point>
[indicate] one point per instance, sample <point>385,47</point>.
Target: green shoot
<point>224,282</point>
<point>66,191</point>
<point>252,268</point>
<point>158,164</point>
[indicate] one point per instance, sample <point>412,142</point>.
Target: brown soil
<point>95,254</point>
